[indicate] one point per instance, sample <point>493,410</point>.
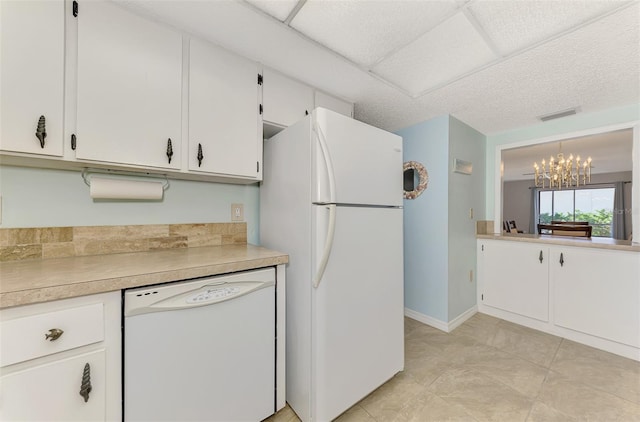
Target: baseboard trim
<point>460,319</point>
<point>438,324</point>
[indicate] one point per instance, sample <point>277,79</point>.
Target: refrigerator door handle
<point>327,160</point>
<point>328,244</point>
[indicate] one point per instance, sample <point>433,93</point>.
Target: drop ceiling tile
<point>279,9</point>
<point>596,67</point>
<point>366,31</point>
<point>513,25</point>
<point>451,49</point>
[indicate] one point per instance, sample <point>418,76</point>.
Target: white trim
<point>497,212</point>
<point>460,319</point>
<point>635,186</point>
<point>447,327</point>
<point>426,319</point>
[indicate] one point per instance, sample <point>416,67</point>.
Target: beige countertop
<point>42,280</point>
<point>594,242</point>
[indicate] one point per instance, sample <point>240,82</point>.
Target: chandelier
<point>562,172</point>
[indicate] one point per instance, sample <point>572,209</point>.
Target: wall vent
<point>559,114</point>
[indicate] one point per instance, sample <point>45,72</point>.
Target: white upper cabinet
<point>31,76</point>
<point>285,100</point>
<point>225,129</point>
<point>129,88</point>
<point>332,103</point>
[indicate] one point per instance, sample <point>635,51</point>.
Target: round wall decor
<point>423,179</point>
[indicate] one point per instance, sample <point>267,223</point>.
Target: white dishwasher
<point>201,350</point>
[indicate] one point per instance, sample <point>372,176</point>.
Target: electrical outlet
<point>237,212</point>
<point>471,213</point>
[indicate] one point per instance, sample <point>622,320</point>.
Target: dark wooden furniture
<point>566,229</point>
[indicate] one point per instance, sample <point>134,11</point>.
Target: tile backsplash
<point>484,227</point>
<point>59,242</point>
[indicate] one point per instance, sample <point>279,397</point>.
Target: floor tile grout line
<point>555,355</point>
<point>584,384</point>
<point>593,387</point>
<point>514,354</point>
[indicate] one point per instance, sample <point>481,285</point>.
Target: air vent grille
<point>559,114</point>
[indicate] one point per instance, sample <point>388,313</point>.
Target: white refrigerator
<point>332,199</point>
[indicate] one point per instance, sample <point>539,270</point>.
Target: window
<point>592,205</point>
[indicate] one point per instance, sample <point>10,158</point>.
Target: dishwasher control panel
<point>196,292</point>
<point>213,294</point>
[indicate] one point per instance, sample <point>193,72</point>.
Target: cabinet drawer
<point>25,338</point>
<point>51,392</point>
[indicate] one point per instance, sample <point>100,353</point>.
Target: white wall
<point>42,198</point>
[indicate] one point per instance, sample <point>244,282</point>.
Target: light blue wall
<point>465,192</point>
<point>41,198</point>
<point>425,220</point>
<point>578,122</point>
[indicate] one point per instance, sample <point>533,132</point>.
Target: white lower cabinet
<point>51,391</point>
<point>61,360</point>
<point>597,292</point>
<point>588,295</point>
<point>516,278</point>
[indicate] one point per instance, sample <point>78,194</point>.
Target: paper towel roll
<point>104,188</point>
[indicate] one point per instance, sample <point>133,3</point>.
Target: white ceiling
<point>493,64</point>
<point>611,152</point>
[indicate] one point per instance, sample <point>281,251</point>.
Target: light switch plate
<point>237,212</point>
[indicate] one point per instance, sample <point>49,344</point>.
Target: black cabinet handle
<point>169,150</point>
<point>200,155</point>
<point>540,257</point>
<point>41,131</point>
<point>561,259</point>
<point>85,385</point>
<point>306,112</point>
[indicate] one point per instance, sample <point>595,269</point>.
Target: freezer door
<point>364,162</point>
<point>357,309</point>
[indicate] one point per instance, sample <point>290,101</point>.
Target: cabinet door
<point>514,279</point>
<point>224,122</point>
<point>285,100</point>
<point>332,103</point>
<point>597,292</point>
<point>51,392</point>
<point>129,88</point>
<point>31,75</point>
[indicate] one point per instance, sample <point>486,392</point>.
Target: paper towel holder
<point>87,172</point>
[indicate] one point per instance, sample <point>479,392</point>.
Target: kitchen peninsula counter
<point>42,280</point>
<point>594,242</point>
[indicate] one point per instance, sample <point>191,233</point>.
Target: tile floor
<point>492,370</point>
